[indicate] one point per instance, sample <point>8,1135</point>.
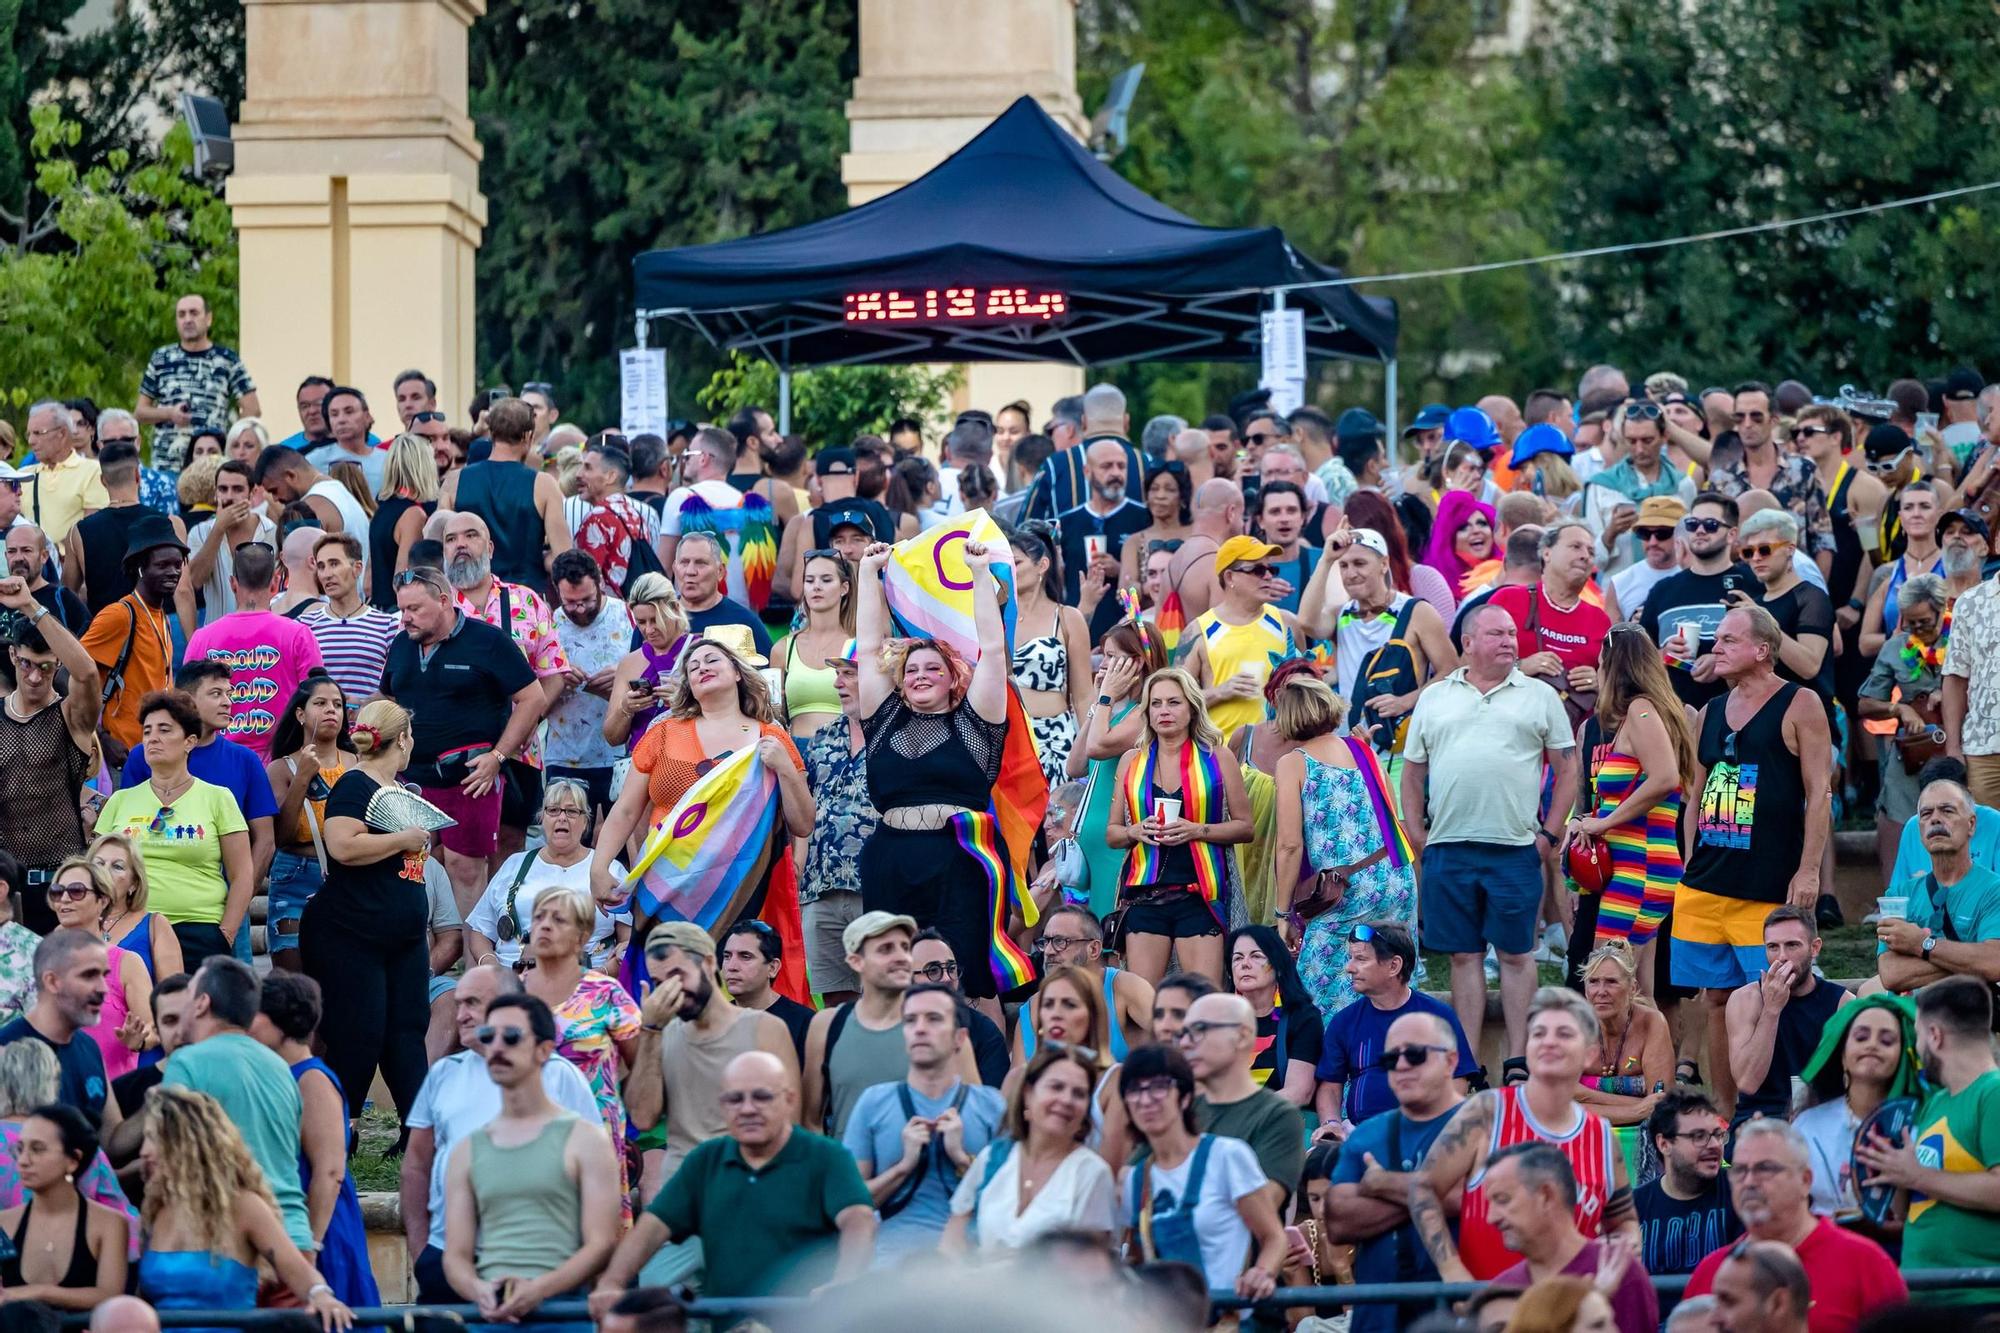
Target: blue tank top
<point>1111,1021</point>
<point>196,1280</point>
<point>1898,576</point>
<point>139,940</point>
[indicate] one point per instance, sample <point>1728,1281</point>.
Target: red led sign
<point>954,304</point>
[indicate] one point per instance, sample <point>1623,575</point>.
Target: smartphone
<point>639,687</point>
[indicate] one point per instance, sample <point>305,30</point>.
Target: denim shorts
<point>294,880</point>
<point>1479,893</point>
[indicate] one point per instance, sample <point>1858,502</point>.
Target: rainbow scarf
<point>979,837</point>
<point>1377,784</point>
<point>1201,803</point>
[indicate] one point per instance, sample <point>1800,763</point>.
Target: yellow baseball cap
<point>1238,549</point>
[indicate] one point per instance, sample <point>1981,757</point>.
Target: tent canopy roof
<point>1019,246</point>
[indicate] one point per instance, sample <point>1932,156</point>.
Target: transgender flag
<point>707,859</point>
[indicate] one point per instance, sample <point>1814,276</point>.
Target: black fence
<point>723,1310</point>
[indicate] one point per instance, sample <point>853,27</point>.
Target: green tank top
<point>530,1212</point>
<point>862,1058</point>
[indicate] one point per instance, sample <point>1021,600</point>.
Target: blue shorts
<point>442,986</point>
<point>1481,893</point>
<point>294,880</point>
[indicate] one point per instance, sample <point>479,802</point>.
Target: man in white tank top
<point>287,477</point>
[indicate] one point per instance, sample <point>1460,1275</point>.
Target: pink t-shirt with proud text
<point>268,655</point>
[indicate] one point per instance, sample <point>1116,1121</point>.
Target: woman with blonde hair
<point>196,489</point>
<point>1340,857</point>
<point>128,922</point>
<point>1638,756</point>
<point>1036,1175</point>
<point>247,438</point>
<point>351,475</point>
<point>639,688</point>
<point>408,497</point>
<point>826,593</point>
<point>30,1079</point>
<point>1133,651</point>
<point>1635,1049</point>
<point>1068,1010</point>
<point>79,896</point>
<point>363,935</point>
<point>209,1216</point>
<point>1180,806</point>
<point>1563,1305</point>
<point>718,705</point>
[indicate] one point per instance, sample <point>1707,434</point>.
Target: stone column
<point>919,98</point>
<point>356,199</point>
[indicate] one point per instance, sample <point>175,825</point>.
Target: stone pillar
<point>918,99</point>
<point>356,199</point>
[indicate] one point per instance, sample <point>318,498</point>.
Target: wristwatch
<point>1930,942</point>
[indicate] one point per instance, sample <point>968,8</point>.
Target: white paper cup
<point>1095,544</point>
<point>1893,907</point>
<point>1166,809</point>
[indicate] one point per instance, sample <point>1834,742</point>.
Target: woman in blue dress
<point>209,1217</point>
<point>288,1014</point>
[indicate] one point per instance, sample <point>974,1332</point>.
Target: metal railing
<point>1317,1298</point>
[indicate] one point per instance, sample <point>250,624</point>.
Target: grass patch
<point>1846,953</point>
<point>369,1163</point>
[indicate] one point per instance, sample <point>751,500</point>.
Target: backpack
<point>934,1154</point>
<point>644,560</point>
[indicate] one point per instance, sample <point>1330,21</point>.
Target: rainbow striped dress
<point>1645,856</point>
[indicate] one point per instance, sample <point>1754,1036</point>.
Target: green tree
<point>1741,114</point>
<point>633,125</point>
<point>80,318</point>
<point>831,404</point>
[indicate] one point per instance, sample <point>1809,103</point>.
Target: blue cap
<point>1431,416</point>
<point>1470,425</point>
<point>1357,423</point>
<point>1540,439</point>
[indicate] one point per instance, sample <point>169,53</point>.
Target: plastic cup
<point>1166,809</point>
<point>1095,544</point>
<point>1893,907</point>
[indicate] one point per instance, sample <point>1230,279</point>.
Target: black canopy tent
<point>1020,246</point>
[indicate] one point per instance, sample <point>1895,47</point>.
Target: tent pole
<point>639,329</point>
<point>1389,430</point>
<point>785,397</point>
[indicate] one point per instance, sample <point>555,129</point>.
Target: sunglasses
<point>1763,550</point>
<point>1261,571</point>
<point>1812,432</point>
<point>1643,412</point>
<point>419,418</point>
<point>1262,437</point>
<point>1363,934</point>
<point>69,893</point>
<point>1653,534</point>
<point>430,578</point>
<point>1703,525</point>
<point>159,822</point>
<point>542,387</point>
<point>510,1037</point>
<point>1414,1055</point>
<point>1882,466</point>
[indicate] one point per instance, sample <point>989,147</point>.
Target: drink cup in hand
<point>1893,907</point>
<point>1166,809</point>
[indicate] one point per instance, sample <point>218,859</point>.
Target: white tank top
<point>353,517</point>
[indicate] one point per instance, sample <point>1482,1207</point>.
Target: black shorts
<point>1177,911</point>
<point>520,794</point>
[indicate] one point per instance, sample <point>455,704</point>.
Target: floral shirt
<point>158,492</point>
<point>17,971</point>
<point>844,816</point>
<point>1973,653</point>
<point>576,721</point>
<point>1797,487</point>
<point>597,1016</point>
<point>606,533</point>
<point>534,631</point>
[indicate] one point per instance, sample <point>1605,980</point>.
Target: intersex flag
<point>929,588</point>
<point>715,858</point>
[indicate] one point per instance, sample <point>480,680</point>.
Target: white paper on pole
<point>642,384</point>
<point>1284,358</point>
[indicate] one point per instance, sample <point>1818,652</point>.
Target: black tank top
<point>1846,540</point>
<point>382,546</point>
<point>503,493</point>
<point>104,536</point>
<point>1800,1024</point>
<point>1750,827</point>
<point>931,758</point>
<point>82,1270</point>
<point>41,772</point>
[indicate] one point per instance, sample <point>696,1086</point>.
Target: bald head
<point>1421,1028</point>
<point>1216,497</point>
<point>760,1100</point>
<point>1754,501</point>
<point>1506,414</point>
<point>124,1314</point>
<point>1191,446</point>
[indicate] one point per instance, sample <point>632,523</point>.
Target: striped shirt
<point>354,648</point>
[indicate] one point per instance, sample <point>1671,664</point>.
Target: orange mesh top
<point>671,757</point>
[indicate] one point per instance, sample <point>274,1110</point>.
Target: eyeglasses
<point>1701,1137</point>
<point>69,893</point>
<point>1763,550</point>
<point>1064,943</point>
<point>1194,1032</point>
<point>510,1037</point>
<point>1150,1090</point>
<point>1759,1170</point>
<point>761,1096</point>
<point>419,418</point>
<point>938,971</point>
<point>1703,525</point>
<point>1414,1055</point>
<point>1653,534</point>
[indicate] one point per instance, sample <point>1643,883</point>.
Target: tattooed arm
<point>1452,1159</point>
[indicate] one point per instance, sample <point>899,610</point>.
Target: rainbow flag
<point>708,856</point>
<point>978,833</point>
<point>1172,620</point>
<point>1377,783</point>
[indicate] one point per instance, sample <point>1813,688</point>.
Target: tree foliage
<point>1744,113</point>
<point>79,318</point>
<point>618,126</point>
<point>831,404</point>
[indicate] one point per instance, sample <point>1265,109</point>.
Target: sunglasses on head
<point>1644,411</point>
<point>419,418</point>
<point>430,578</point>
<point>509,1037</point>
<point>1703,525</point>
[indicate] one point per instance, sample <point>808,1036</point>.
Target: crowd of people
<point>353,766</point>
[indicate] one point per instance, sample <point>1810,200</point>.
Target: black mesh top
<point>917,758</point>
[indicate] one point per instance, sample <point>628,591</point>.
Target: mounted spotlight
<point>208,121</point>
<point>1108,126</point>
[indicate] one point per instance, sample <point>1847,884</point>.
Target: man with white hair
<point>1158,437</point>
<point>1064,480</point>
<point>1951,926</point>
<point>1770,538</point>
<point>61,485</point>
<point>1770,1177</point>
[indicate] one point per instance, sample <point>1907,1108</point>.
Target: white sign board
<point>1284,359</point>
<point>642,384</point>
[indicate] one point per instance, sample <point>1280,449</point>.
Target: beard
<point>465,570</point>
<point>696,999</point>
<point>1111,494</point>
<point>1962,560</point>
